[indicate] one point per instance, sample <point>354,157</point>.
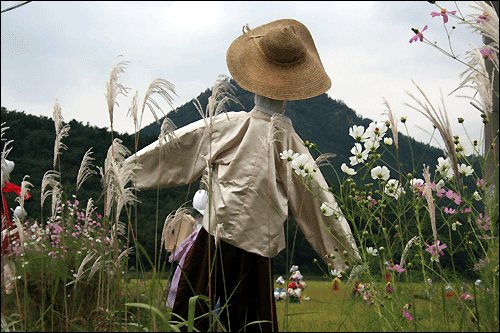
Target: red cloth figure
<point>336,283</point>
<point>9,187</point>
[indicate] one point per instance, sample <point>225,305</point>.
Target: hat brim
<point>255,72</point>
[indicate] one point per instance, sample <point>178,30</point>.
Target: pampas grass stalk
<point>439,118</point>
<point>85,172</point>
<point>115,88</point>
<point>61,132</point>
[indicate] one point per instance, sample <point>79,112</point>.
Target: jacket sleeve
<point>175,162</point>
<point>182,160</point>
<point>324,233</point>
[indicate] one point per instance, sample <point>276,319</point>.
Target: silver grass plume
<point>25,185</point>
<point>273,130</point>
<point>117,174</point>
<point>95,267</point>
<point>222,93</point>
<point>394,124</point>
<point>118,262</point>
<point>61,131</point>
<point>132,111</point>
<point>487,28</point>
<point>162,88</point>
<point>323,159</point>
<point>430,201</point>
<point>476,76</point>
<point>88,212</point>
<point>108,264</point>
<point>19,229</point>
<point>118,227</point>
<point>85,172</point>
<point>407,247</point>
<point>114,88</point>
<point>439,118</point>
<point>49,179</point>
<point>167,133</point>
<point>171,221</point>
<point>56,201</point>
<point>80,271</point>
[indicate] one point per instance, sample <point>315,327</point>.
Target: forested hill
<point>321,120</point>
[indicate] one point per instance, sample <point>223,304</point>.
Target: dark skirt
<point>242,280</point>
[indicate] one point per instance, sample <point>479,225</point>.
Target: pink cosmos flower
<point>432,248</point>
<point>449,210</point>
<point>444,14</point>
<point>483,18</point>
<point>418,35</point>
<point>396,268</point>
<point>483,222</point>
<point>480,183</point>
<point>466,210</point>
<point>453,196</point>
<point>487,55</point>
<point>407,315</point>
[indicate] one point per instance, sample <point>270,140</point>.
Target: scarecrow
<point>252,185</point>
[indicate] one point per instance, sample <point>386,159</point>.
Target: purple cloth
<point>179,254</point>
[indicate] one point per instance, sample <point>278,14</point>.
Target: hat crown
<point>282,45</point>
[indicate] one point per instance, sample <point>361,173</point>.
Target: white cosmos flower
<point>376,131</point>
<point>326,209</point>
<point>388,141</point>
<point>309,168</point>
<point>380,172</point>
<point>417,184</point>
<point>360,155</point>
<point>393,189</point>
<point>372,251</point>
<point>465,170</point>
<point>299,163</point>
<point>288,155</point>
<point>440,184</point>
<point>463,147</point>
<point>371,145</point>
<point>357,132</point>
<point>444,167</point>
<point>347,170</point>
<point>336,273</point>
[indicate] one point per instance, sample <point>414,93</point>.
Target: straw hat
<point>278,60</point>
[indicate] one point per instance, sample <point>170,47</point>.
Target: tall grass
<point>69,271</point>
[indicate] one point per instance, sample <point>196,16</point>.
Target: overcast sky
<point>65,50</point>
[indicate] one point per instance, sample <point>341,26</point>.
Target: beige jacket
<point>252,185</point>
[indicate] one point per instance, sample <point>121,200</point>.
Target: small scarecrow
<point>179,253</point>
<point>280,292</point>
<point>294,288</point>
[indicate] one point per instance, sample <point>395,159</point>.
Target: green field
<point>331,311</point>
